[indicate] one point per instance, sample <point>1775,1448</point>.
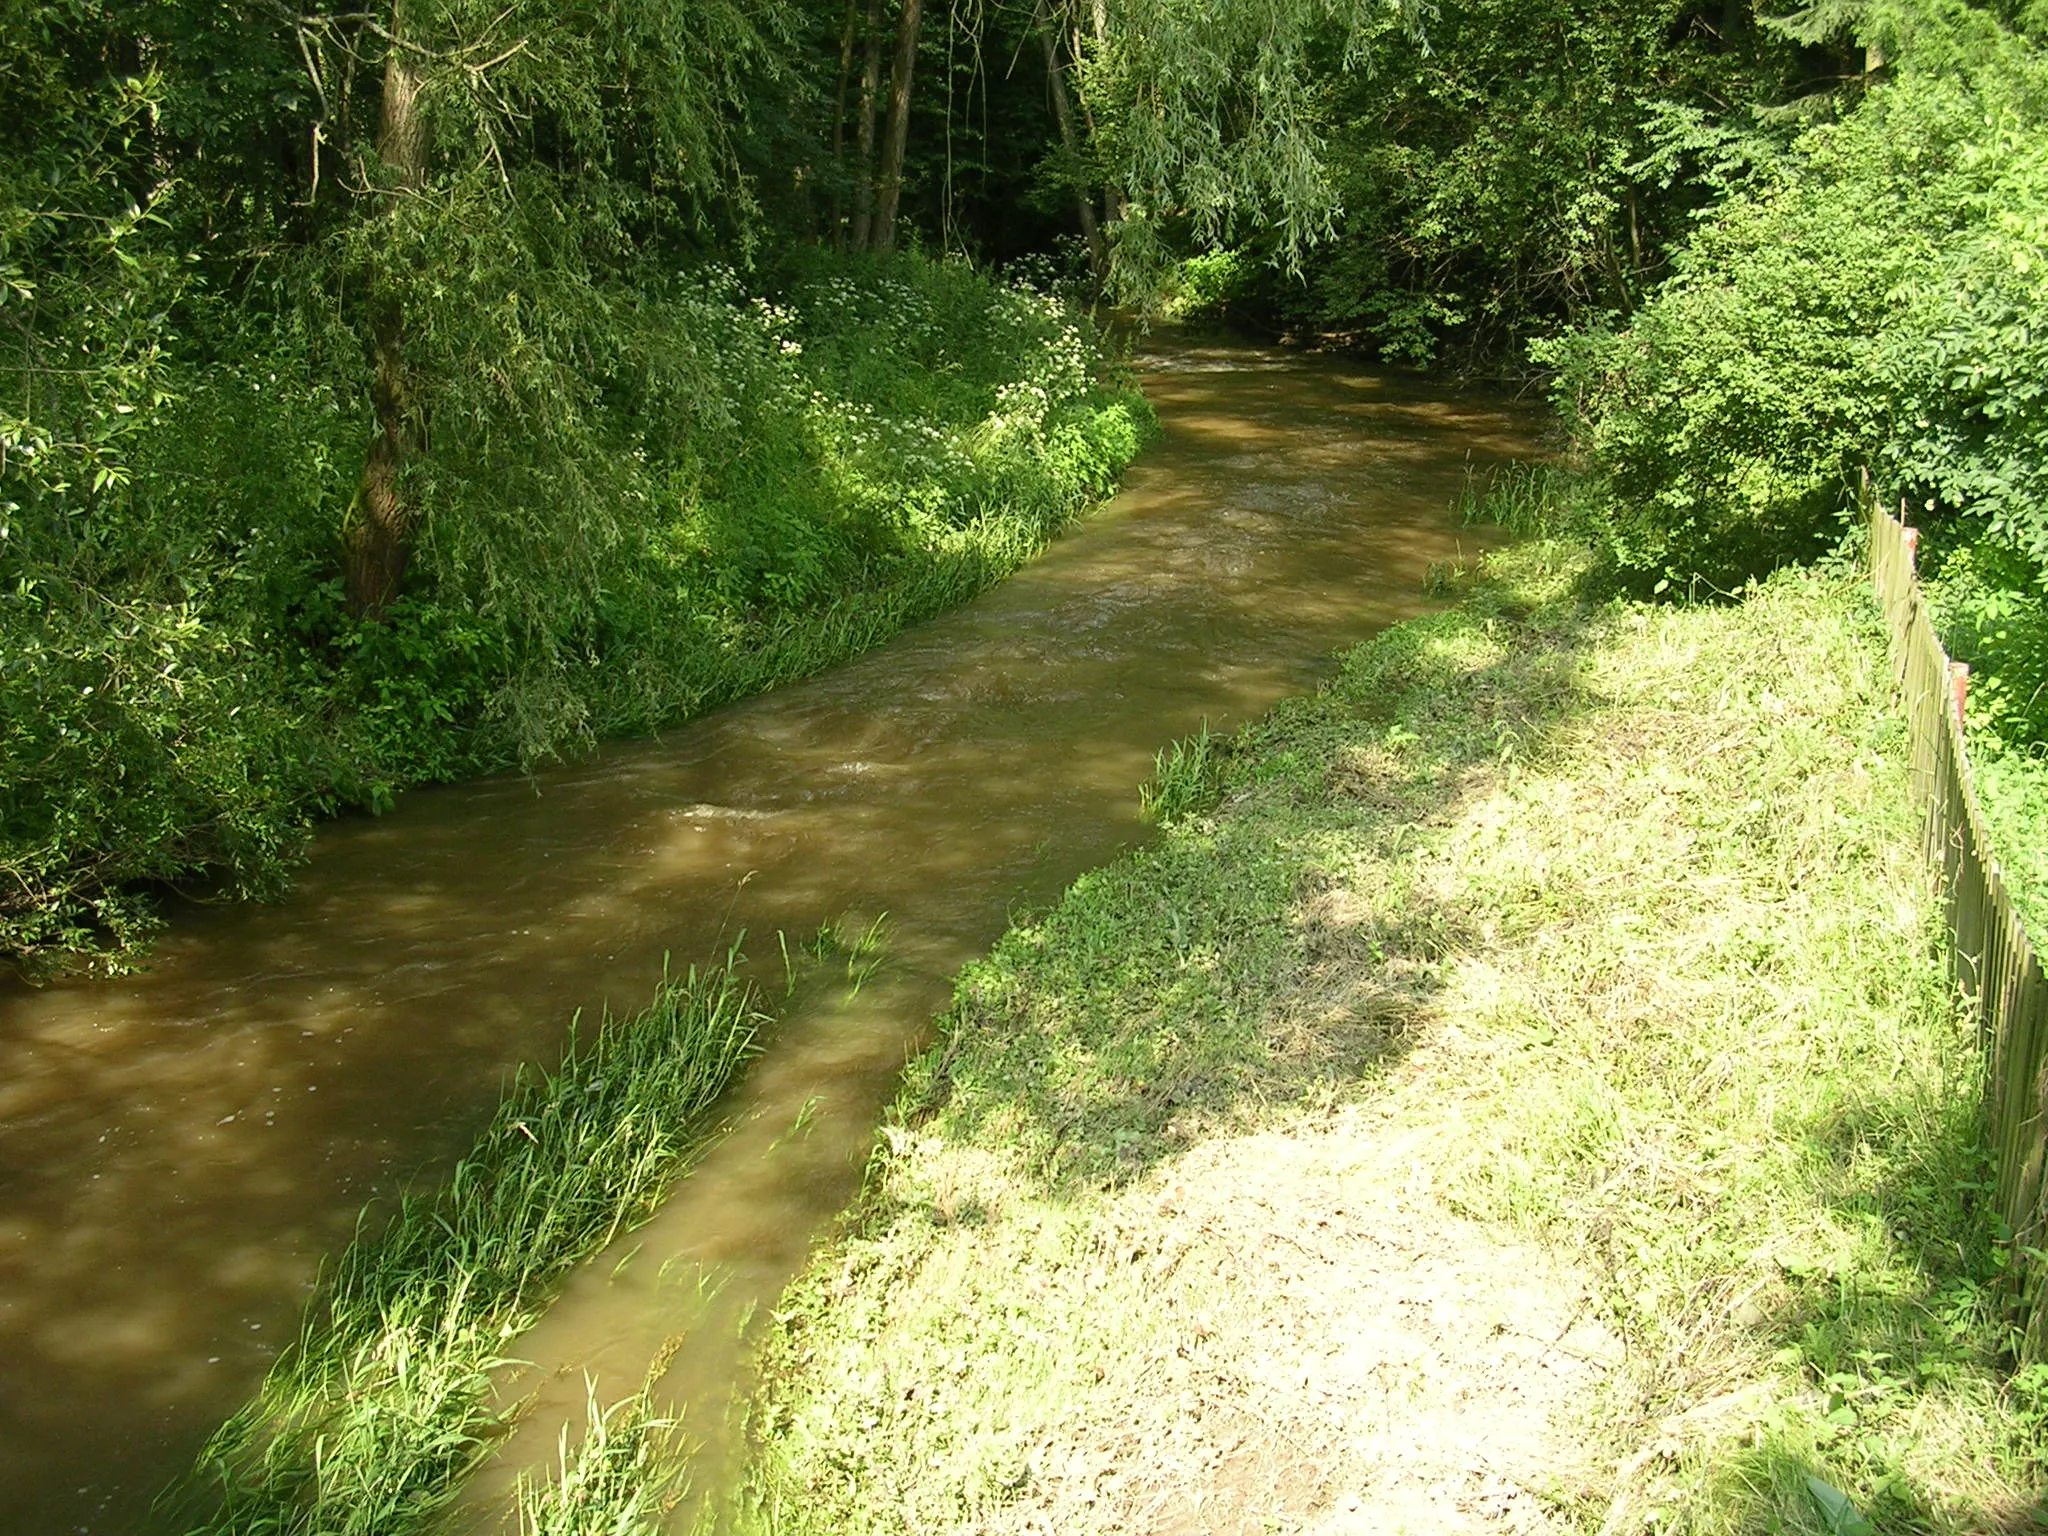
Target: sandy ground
<point>1353,1357</point>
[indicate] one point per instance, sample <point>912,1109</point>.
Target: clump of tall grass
<point>369,1422</point>
<point>625,1478</point>
<point>1187,778</point>
<point>1528,500</point>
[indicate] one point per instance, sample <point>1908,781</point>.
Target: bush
<point>1874,303</point>
<point>1862,306</point>
<point>137,744</point>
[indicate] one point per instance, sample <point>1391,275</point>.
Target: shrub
<point>1862,305</point>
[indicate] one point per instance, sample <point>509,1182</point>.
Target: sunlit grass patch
<point>1719,1056</point>
<point>1582,954</point>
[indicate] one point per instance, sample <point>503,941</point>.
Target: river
<point>179,1148</point>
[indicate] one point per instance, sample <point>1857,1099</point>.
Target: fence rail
<point>1993,963</point>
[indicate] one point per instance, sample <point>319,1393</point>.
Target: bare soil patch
<point>1347,1356</point>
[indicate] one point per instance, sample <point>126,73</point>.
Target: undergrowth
<point>1601,928</point>
<point>743,482</point>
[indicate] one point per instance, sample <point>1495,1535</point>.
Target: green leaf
<point>1842,1516</point>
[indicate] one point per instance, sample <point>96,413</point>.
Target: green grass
<point>1526,499</point>
<point>1598,935</point>
<point>369,1422</point>
<point>1186,778</point>
<point>625,1478</point>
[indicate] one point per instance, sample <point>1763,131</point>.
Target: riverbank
<point>1517,1092</point>
<point>768,479</point>
<point>977,762</point>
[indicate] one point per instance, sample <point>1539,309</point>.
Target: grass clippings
<point>1519,1092</point>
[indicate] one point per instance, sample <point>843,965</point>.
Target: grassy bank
<point>1517,1092</point>
<point>737,484</point>
<point>369,1422</point>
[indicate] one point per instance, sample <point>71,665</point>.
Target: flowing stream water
<point>179,1148</point>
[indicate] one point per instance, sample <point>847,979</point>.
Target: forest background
<point>395,394</point>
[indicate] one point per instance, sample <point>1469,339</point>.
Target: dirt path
<point>1348,1356</point>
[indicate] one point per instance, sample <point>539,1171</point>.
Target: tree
<point>1207,117</point>
<point>378,534</point>
<point>889,194</point>
<point>864,139</point>
<point>467,139</point>
<point>1049,39</point>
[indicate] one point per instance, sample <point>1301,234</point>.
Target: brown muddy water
<point>179,1149</point>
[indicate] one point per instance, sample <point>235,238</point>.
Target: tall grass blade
<point>372,1418</point>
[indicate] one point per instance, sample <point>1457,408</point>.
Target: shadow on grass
<point>1273,954</point>
<point>1793,1478</point>
<point>1930,1309</point>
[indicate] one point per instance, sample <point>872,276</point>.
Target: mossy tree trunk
<point>377,539</point>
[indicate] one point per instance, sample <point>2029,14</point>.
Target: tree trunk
<point>377,538</point>
<point>1114,204</point>
<point>1063,114</point>
<point>870,96</point>
<point>891,190</point>
<point>836,208</point>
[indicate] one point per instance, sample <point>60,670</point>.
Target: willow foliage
<point>239,242</point>
<point>1211,116</point>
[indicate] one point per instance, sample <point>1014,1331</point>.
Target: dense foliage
<point>1866,302</point>
<point>1871,301</point>
<point>877,441</point>
<point>1517,164</point>
<point>391,396</point>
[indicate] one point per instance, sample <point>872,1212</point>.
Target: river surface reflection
<point>178,1149</point>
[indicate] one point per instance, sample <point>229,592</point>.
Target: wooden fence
<point>1993,963</point>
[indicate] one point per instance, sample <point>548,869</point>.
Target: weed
<point>624,1479</point>
<point>1442,578</point>
<point>1527,500</point>
<point>1187,778</point>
